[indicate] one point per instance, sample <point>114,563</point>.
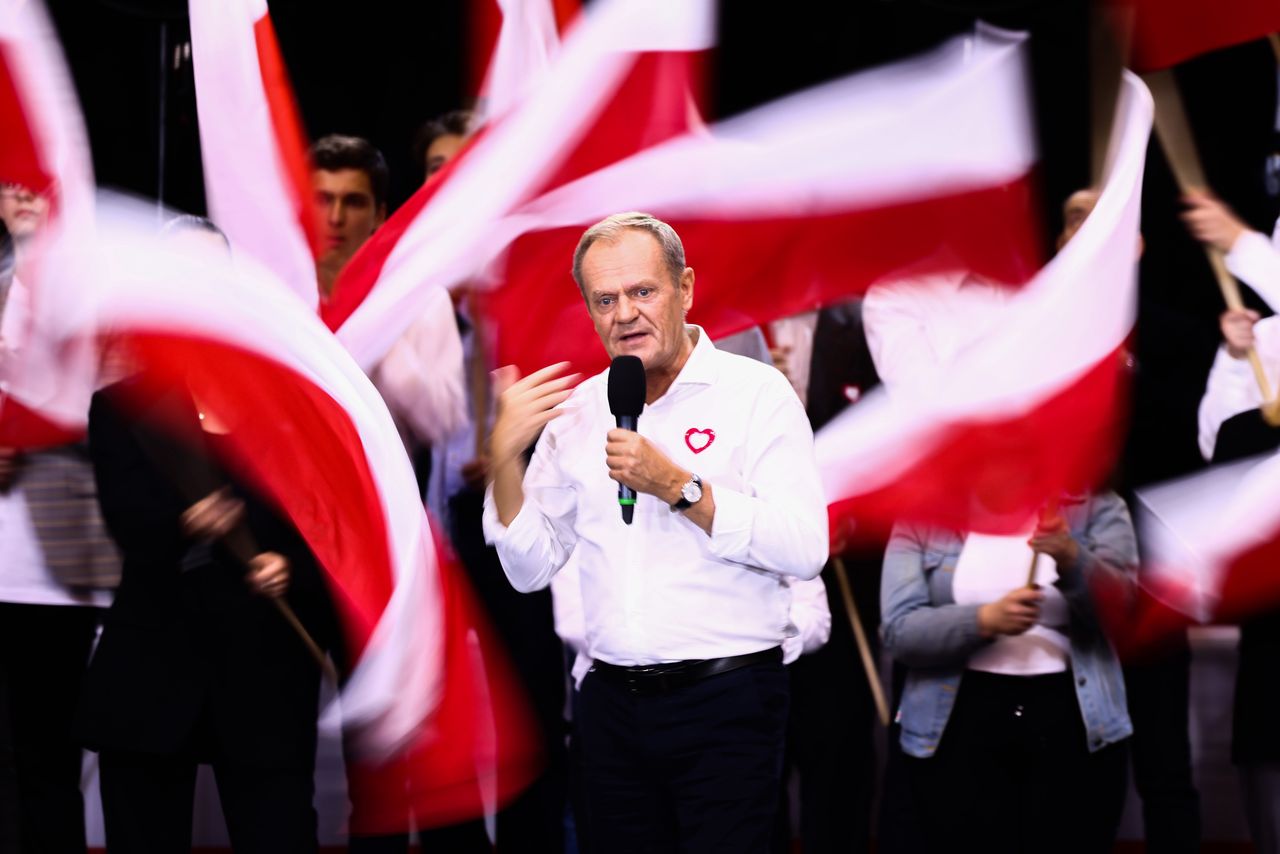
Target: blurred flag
<point>43,148</point>
<point>1167,32</point>
<point>1030,411</point>
<point>801,203</point>
<point>526,43</point>
<point>626,78</point>
<point>254,148</point>
<point>307,427</point>
<point>1211,545</point>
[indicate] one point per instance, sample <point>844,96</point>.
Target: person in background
<point>57,569</point>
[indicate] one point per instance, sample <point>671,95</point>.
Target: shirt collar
<point>700,368</point>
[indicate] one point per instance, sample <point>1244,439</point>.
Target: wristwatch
<point>690,493</point>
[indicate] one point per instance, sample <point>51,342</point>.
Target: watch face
<point>691,492</point>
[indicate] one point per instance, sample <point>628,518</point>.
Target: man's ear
<point>381,217</point>
<point>686,288</point>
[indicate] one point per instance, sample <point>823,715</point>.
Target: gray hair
<point>610,229</point>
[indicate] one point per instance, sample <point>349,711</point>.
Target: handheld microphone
<point>626,400</point>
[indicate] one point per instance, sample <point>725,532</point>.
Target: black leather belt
<point>650,679</point>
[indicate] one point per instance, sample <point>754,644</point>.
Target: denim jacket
<point>927,631</point>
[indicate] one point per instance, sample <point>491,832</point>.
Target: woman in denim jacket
<point>1013,716</point>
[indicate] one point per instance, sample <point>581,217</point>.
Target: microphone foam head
<point>626,386</point>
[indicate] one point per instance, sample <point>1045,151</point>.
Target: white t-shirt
<point>987,569</point>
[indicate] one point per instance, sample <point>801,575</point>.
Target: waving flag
<point>254,149</point>
<point>520,49</point>
<point>1167,32</point>
<point>1028,412</point>
<point>622,82</point>
<point>307,427</point>
<point>801,203</point>
<point>44,148</point>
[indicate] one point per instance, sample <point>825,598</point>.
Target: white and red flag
<point>1167,32</point>
<point>519,49</point>
<point>254,148</point>
<point>1210,546</point>
<point>1031,410</point>
<point>44,149</point>
<point>627,77</point>
<point>801,203</point>
<point>309,430</point>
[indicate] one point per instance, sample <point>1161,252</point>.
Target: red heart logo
<point>699,440</point>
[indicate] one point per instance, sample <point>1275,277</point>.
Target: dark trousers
<point>1013,774</point>
<point>147,803</point>
<point>1159,694</point>
<point>43,652</point>
<point>694,770</point>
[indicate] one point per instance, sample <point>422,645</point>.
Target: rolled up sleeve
<point>537,543</point>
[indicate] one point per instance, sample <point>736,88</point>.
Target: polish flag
<point>519,49</point>
<point>625,78</point>
<point>44,148</point>
<point>801,203</point>
<point>1032,410</point>
<point>252,141</point>
<point>1211,544</point>
<point>308,428</point>
<point>1167,32</point>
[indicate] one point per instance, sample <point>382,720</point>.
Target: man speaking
<point>683,713</point>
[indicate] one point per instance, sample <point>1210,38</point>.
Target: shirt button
<point>1081,681</point>
<point>1017,711</point>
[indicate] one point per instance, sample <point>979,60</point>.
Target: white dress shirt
<point>1232,389</point>
<point>915,326</point>
<point>661,589</point>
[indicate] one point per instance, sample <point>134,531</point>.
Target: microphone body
<point>626,401</point>
<point>627,495</point>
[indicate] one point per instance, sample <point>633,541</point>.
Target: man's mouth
<point>631,337</point>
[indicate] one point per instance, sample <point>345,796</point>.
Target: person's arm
<point>1250,256</point>
<point>421,378</point>
<point>1231,387</point>
<point>894,319</point>
<point>918,632</point>
<point>915,631</point>
<point>779,522</point>
<point>1105,557</point>
<point>529,515</point>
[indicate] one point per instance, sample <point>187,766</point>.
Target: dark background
<point>379,69</point>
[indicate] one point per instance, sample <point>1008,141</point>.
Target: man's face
<point>22,211</point>
<point>637,309</point>
<point>1076,210</point>
<point>441,150</point>
<point>346,211</point>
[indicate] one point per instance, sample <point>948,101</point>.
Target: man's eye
<point>644,292</point>
<point>605,301</point>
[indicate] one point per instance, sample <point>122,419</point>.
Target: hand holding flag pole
<point>1179,147</point>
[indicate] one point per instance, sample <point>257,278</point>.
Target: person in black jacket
<point>195,665</point>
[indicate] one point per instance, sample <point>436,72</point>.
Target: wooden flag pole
<point>860,636</point>
<point>1050,510</point>
<point>1180,150</point>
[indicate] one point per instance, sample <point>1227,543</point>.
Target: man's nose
<point>337,213</point>
<point>627,311</point>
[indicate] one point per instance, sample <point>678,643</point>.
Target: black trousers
<point>1013,774</point>
<point>147,802</point>
<point>695,770</point>
<point>1159,695</point>
<point>43,652</point>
